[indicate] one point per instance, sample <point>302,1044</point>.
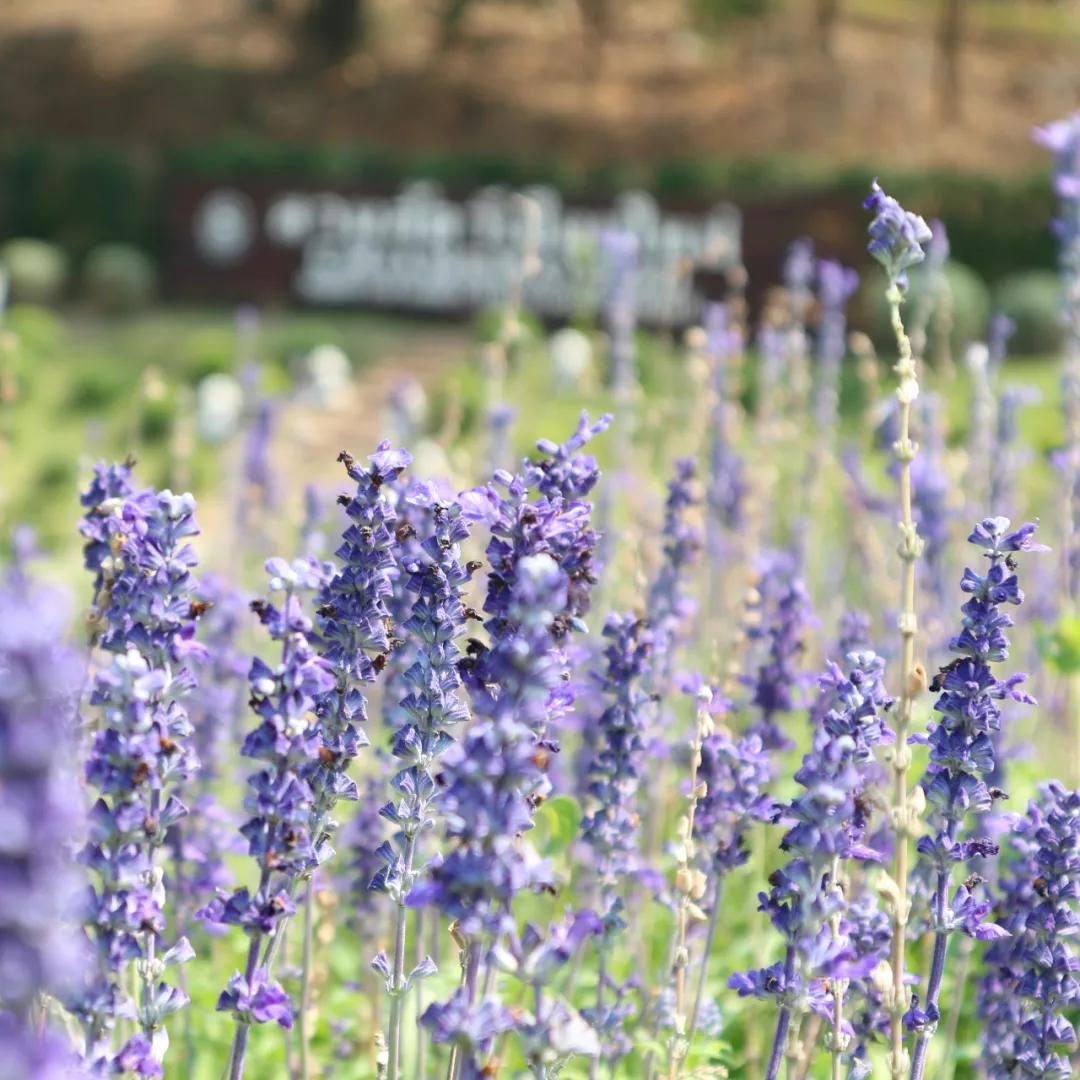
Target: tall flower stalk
<point>140,752</point>
<point>1030,987</point>
<point>1062,139</point>
<point>354,622</point>
<point>493,779</point>
<point>690,886</point>
<point>433,707</point>
<point>280,800</point>
<point>962,755</point>
<point>40,807</point>
<point>610,828</point>
<point>778,615</point>
<point>539,585</point>
<point>836,285</point>
<point>734,775</point>
<point>827,828</point>
<point>896,241</point>
<point>216,709</point>
<point>670,604</point>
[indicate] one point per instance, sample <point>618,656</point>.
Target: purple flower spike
<point>836,285</point>
<point>670,605</point>
<point>610,827</point>
<point>256,1000</point>
<point>40,811</point>
<point>1031,982</point>
<point>282,829</point>
<point>896,235</point>
<point>354,622</point>
<point>827,826</point>
<point>735,773</point>
<point>620,249</point>
<point>777,619</point>
<point>494,775</point>
<point>962,749</point>
<point>141,753</point>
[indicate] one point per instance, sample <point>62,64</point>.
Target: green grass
<point>79,389</point>
<point>79,397</point>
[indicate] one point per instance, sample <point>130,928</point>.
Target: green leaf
<point>557,823</point>
<point>1060,646</point>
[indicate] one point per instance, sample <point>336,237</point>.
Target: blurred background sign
<point>418,248</point>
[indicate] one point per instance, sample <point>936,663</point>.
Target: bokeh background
<point>116,116</point>
<point>785,108</point>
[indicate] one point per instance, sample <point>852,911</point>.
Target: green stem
<point>397,984</point>
<point>710,937</point>
<point>912,681</point>
<point>305,977</point>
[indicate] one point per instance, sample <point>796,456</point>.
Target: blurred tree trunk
<point>827,13</point>
<point>950,42</point>
<point>335,28</point>
<point>451,21</point>
<point>596,30</point>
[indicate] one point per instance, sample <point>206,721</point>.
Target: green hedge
<point>82,195</point>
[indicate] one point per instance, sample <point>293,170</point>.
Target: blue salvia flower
<point>930,495</point>
<point>999,334</point>
<point>500,423</point>
<point>543,511</point>
<point>103,502</point>
<point>563,472</point>
<point>313,523</point>
<point>962,754</point>
<point>363,837</point>
<point>798,276</point>
<point>280,801</point>
<point>541,575</point>
<point>772,350</point>
<point>1009,456</point>
<point>552,1032</point>
<point>610,827</point>
<point>41,811</point>
<point>1066,462</point>
<point>778,615</point>
<point>869,930</point>
<point>836,284</point>
<point>619,304</point>
<point>433,708</point>
<point>854,631</point>
<point>896,235</point>
<point>1030,985</point>
<point>495,775</point>
<point>259,478</point>
<point>412,505</point>
<point>354,620</point>
<point>493,779</point>
<point>827,827</point>
<point>215,708</point>
<point>735,774</point>
<point>471,1027</point>
<point>670,604</point>
<point>1062,139</point>
<point>726,487</point>
<point>140,753</point>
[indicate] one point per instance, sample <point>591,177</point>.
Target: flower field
<point>626,707</point>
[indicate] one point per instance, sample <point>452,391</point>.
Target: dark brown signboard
<point>420,249</point>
